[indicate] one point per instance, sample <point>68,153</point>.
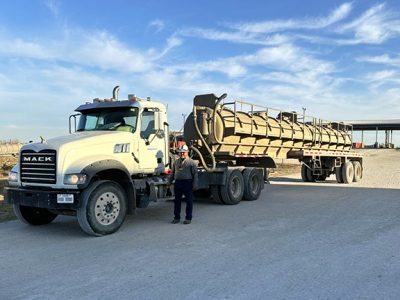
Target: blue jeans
<point>183,187</point>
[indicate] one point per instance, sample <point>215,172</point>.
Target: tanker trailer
<point>239,136</point>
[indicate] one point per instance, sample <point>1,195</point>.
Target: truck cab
<point>114,161</point>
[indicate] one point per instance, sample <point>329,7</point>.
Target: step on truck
<point>118,156</point>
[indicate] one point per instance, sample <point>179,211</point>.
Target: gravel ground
<point>299,241</point>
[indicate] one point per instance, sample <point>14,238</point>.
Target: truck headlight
<point>74,179</point>
<point>12,176</point>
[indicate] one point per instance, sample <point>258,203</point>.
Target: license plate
<point>65,198</point>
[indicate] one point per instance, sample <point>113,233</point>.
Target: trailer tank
<point>236,129</point>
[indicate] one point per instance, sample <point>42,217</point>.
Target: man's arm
<point>195,176</point>
<point>172,175</point>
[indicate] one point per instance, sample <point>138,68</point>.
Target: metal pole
<point>362,136</point>
<point>376,140</point>
<point>391,136</point>
<point>184,119</point>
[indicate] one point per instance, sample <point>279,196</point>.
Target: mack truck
<point>119,153</point>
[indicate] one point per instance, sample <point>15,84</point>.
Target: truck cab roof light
<point>132,97</point>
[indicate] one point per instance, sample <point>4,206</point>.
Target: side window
<point>90,122</point>
<point>147,125</point>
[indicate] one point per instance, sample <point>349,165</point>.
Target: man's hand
<point>195,187</point>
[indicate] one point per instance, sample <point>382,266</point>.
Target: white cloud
<point>98,49</point>
<point>282,25</point>
<point>234,36</point>
<point>374,26</point>
<point>384,59</point>
<point>157,24</point>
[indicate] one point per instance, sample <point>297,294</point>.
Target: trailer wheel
<point>215,192</point>
<point>253,182</point>
<point>232,191</point>
<point>33,215</point>
<point>304,176</point>
<point>347,172</point>
<point>310,176</point>
<point>357,171</point>
<point>103,208</point>
<point>339,177</point>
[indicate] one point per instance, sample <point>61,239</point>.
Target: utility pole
<point>304,113</point>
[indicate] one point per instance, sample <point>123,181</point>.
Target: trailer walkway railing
<point>287,116</point>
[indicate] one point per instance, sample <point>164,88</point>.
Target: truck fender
<point>111,170</point>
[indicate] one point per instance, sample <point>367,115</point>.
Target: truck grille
<point>38,167</point>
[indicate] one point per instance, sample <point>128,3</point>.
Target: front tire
<point>33,215</point>
<point>103,208</point>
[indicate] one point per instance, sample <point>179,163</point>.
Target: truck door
<point>152,141</point>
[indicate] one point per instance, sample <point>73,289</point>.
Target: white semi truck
<point>118,157</point>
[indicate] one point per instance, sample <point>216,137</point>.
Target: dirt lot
<point>298,241</point>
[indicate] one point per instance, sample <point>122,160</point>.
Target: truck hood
<point>85,138</point>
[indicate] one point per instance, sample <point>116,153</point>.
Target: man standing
<point>184,172</point>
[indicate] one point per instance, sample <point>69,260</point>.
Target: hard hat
<point>183,148</point>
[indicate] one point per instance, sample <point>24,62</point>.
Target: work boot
<point>175,221</point>
<point>187,222</point>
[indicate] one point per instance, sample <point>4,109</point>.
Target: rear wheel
<point>304,176</point>
<point>310,176</point>
<point>103,208</point>
<point>339,177</point>
<point>216,194</point>
<point>232,191</point>
<point>357,171</point>
<point>347,172</point>
<point>33,215</point>
<point>253,183</point>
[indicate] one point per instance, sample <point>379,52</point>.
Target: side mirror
<point>157,121</point>
<point>70,121</point>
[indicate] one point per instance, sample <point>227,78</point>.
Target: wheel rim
<point>235,187</point>
<point>107,208</point>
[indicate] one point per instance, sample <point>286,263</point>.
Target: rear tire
<point>304,176</point>
<point>347,172</point>
<point>339,177</point>
<point>232,191</point>
<point>103,208</point>
<point>216,194</point>
<point>310,176</point>
<point>357,171</point>
<point>253,183</point>
<point>33,215</point>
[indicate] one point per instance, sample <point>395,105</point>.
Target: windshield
<point>119,120</point>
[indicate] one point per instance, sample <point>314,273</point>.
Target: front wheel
<point>103,208</point>
<point>33,215</point>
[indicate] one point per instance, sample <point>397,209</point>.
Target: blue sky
<point>340,60</point>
